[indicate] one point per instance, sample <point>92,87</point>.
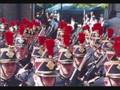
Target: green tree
<point>90,5</point>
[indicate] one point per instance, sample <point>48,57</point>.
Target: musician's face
<point>86,33</point>
<point>48,81</point>
<point>9,69</point>
<point>21,54</point>
<point>34,27</point>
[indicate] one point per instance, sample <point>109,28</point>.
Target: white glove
<point>22,70</point>
<point>37,80</point>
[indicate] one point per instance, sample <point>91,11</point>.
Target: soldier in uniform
<point>21,47</point>
<point>38,50</point>
<point>94,52</point>
<point>12,26</point>
<point>86,30</point>
<point>108,43</point>
<point>78,54</point>
<point>79,50</point>
<point>31,77</point>
<point>8,62</point>
<point>65,59</point>
<point>3,21</point>
<point>46,74</point>
<point>46,71</point>
<point>113,72</point>
<point>8,67</point>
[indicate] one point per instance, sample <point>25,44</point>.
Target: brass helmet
<point>7,55</point>
<point>80,50</point>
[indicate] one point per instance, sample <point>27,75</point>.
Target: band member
<point>36,26</point>
<point>38,51</point>
<point>9,38</point>
<point>46,74</point>
<point>108,44</point>
<point>91,57</point>
<point>21,46</point>
<point>79,50</point>
<point>8,68</point>
<point>86,30</point>
<point>45,48</point>
<point>12,26</point>
<point>3,21</point>
<point>39,47</point>
<point>61,26</point>
<point>112,74</point>
<point>60,33</point>
<point>65,59</point>
<point>46,71</point>
<point>8,62</point>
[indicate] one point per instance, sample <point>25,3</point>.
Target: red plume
<point>41,40</point>
<point>68,30</point>
<point>9,37</point>
<point>66,40</point>
<point>17,22</point>
<point>116,46</point>
<point>30,25</point>
<point>12,23</point>
<point>21,29</point>
<point>81,37</point>
<point>62,24</point>
<point>35,22</point>
<point>3,20</point>
<point>97,27</point>
<point>24,20</point>
<point>86,27</point>
<point>109,32</point>
<point>49,43</point>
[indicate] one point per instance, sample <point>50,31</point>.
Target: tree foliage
<point>90,5</point>
<point>80,5</point>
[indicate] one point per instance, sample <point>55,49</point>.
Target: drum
<point>78,56</point>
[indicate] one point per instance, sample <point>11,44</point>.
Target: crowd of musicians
<point>51,52</point>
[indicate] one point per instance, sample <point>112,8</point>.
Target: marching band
<point>57,53</point>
